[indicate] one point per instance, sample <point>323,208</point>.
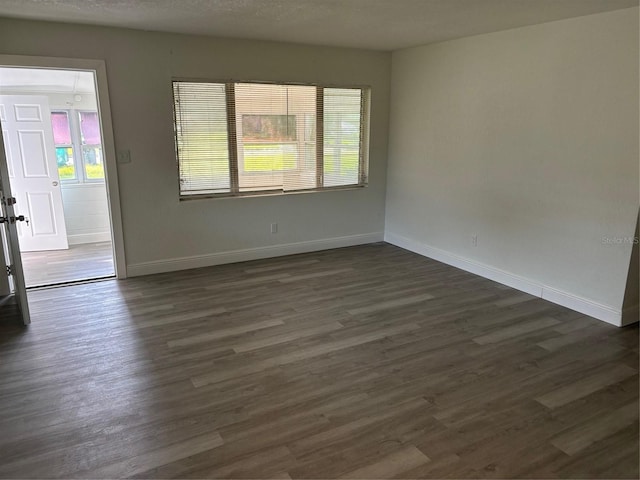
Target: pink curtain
<point>61,131</point>
<point>90,128</point>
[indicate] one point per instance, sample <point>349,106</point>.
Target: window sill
<point>269,193</point>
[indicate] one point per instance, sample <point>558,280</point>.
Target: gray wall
<point>527,138</point>
<point>631,301</point>
<point>140,66</point>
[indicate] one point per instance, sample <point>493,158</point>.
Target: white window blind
<point>342,135</point>
<point>251,138</point>
<point>201,137</point>
<point>275,125</point>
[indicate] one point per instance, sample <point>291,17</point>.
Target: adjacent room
<point>66,236</point>
<point>318,239</point>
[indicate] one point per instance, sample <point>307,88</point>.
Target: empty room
<point>310,239</point>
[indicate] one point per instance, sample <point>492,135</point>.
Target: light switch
<point>124,156</point>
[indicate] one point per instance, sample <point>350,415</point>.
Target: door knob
<point>55,184</point>
<point>19,218</point>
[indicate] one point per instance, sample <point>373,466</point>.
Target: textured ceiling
<point>373,24</point>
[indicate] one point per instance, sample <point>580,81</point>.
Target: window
<point>250,138</point>
<point>64,145</point>
<point>74,132</point>
<point>91,146</point>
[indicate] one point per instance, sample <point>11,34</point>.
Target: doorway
<point>53,145</point>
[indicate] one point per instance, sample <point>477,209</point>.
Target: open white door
<point>33,171</point>
<point>9,226</point>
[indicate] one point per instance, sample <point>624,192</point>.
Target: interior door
<point>33,171</point>
<point>9,221</point>
<point>5,286</point>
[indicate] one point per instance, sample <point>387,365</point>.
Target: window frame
<point>234,161</point>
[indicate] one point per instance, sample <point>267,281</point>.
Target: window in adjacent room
<point>77,139</point>
<point>92,160</point>
<point>64,145</point>
<point>251,138</point>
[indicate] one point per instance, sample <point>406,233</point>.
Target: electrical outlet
<point>274,228</point>
<point>474,240</point>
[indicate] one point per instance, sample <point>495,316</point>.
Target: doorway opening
<point>54,149</point>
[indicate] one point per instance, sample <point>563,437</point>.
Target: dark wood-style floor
<point>363,362</point>
<point>79,262</point>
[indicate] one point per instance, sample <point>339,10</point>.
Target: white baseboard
<point>81,238</point>
<point>233,256</point>
<point>583,305</point>
<point>574,302</point>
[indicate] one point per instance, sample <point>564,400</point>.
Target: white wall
<point>157,227</point>
<point>86,213</point>
<point>529,139</point>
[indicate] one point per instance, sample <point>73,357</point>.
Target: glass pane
<point>269,128</point>
<point>61,130</point>
<point>93,163</point>
<point>202,137</point>
<point>66,166</point>
<point>273,156</point>
<point>274,125</point>
<point>90,128</point>
<point>342,119</point>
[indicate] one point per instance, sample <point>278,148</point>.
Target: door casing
<point>98,67</point>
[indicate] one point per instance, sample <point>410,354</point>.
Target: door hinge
<point>11,201</point>
<point>9,270</point>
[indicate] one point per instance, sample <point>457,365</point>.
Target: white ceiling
<point>373,24</point>
<point>46,80</point>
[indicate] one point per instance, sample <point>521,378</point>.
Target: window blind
<point>342,136</point>
<point>275,128</point>
<point>202,137</point>
<point>244,138</point>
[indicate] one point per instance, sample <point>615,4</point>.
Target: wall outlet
<point>474,240</point>
<point>274,228</point>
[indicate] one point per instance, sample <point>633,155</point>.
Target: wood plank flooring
<point>362,362</point>
<point>79,262</point>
